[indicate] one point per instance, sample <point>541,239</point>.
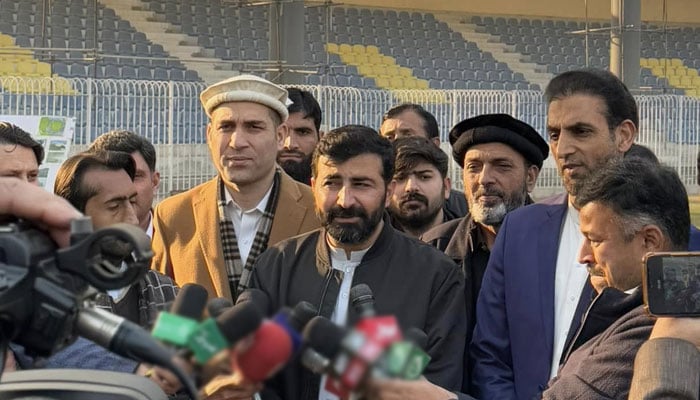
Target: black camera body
<point>42,287</point>
<point>671,284</point>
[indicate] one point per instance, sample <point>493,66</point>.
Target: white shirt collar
<point>259,207</point>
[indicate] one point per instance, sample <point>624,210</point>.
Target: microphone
<point>352,354</point>
<point>215,335</point>
<point>271,349</point>
<point>217,306</point>
<point>175,327</point>
<point>294,320</point>
<point>274,343</point>
<point>362,300</point>
<point>127,339</point>
<point>404,359</point>
<point>257,297</point>
<point>382,329</point>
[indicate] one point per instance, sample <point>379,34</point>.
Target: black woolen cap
<point>501,128</point>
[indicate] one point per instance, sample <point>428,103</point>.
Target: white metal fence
<point>169,114</point>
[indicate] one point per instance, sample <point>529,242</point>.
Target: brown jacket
<point>186,239</point>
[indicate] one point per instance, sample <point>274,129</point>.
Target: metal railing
<point>169,114</point>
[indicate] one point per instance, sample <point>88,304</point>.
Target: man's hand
<point>396,389</point>
<point>165,379</point>
<point>25,200</point>
<point>680,328</point>
<point>230,387</point>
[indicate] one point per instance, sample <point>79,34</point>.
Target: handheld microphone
<point>175,327</point>
<point>382,329</point>
<point>404,359</point>
<point>362,300</point>
<point>257,297</point>
<point>271,349</point>
<point>351,352</point>
<point>215,335</point>
<point>217,306</point>
<point>127,339</point>
<point>294,320</point>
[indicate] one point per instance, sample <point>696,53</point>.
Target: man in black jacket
<point>352,181</point>
<point>501,157</point>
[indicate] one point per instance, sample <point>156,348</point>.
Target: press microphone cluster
<point>374,348</point>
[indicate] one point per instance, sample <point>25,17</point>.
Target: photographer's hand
<point>22,199</point>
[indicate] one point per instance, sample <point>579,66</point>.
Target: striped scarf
<point>239,274</point>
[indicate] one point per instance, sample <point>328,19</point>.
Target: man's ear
<point>155,181</point>
<point>208,135</point>
<point>531,177</point>
<point>389,192</point>
<point>654,239</point>
<point>625,135</point>
<point>447,186</point>
<point>436,141</point>
<point>282,132</point>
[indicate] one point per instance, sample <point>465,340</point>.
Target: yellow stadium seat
<point>392,70</point>
<point>358,49</point>
<point>643,62</point>
<point>348,58</point>
<point>679,71</point>
<point>396,82</point>
<point>409,83</point>
<point>345,48</point>
<point>362,59</point>
<point>658,71</point>
<point>695,80</point>
<point>652,62</point>
<point>6,41</point>
<point>365,69</point>
<point>380,70</point>
<point>332,48</point>
<point>7,68</point>
<point>26,68</point>
<point>43,69</point>
<point>674,81</point>
<point>406,72</point>
<point>382,82</point>
<point>372,50</point>
<point>692,92</point>
<point>676,62</point>
<point>422,84</point>
<point>387,60</point>
<point>686,82</point>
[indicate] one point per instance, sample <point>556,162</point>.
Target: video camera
<point>42,288</point>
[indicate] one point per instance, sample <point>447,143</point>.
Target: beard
<point>300,171</point>
<point>415,218</point>
<point>493,215</point>
<point>574,183</point>
<point>350,233</point>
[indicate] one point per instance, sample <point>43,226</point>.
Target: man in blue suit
<point>534,290</point>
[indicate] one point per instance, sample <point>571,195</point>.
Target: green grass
<point>694,210</point>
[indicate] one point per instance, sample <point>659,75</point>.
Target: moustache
<point>488,192</point>
<point>341,212</point>
<point>291,153</point>
<point>413,196</point>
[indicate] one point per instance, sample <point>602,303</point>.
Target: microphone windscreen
<point>324,336</point>
<point>257,297</point>
<point>217,306</point>
<point>417,336</point>
<point>190,301</point>
<point>362,300</point>
<point>302,314</point>
<point>239,321</point>
<point>271,349</point>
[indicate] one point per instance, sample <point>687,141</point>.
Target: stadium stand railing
<point>170,115</point>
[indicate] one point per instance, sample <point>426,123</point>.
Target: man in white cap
<point>212,234</point>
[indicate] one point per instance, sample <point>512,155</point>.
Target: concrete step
<point>501,52</point>
<point>176,43</point>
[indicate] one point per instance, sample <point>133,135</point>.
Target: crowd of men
<point>518,299</point>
